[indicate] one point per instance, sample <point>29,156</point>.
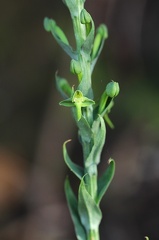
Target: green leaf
<point>51,26</point>
<point>90,213</point>
<point>105,180</point>
<point>63,86</point>
<point>85,131</point>
<point>77,170</point>
<point>72,204</point>
<point>99,135</point>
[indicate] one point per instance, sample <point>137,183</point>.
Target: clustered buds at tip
<point>85,17</point>
<point>112,89</point>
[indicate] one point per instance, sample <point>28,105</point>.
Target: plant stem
<point>93,235</point>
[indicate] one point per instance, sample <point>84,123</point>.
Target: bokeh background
<point>33,126</point>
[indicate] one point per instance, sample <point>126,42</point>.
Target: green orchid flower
<point>78,101</point>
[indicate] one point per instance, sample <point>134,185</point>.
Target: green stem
<point>93,235</point>
<point>91,180</point>
<point>85,85</point>
<point>79,29</point>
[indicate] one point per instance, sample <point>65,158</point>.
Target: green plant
<point>90,117</point>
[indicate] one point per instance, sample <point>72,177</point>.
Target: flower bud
<point>75,67</point>
<point>101,35</point>
<point>112,89</point>
<point>49,24</point>
<point>103,31</point>
<point>60,34</point>
<point>85,17</point>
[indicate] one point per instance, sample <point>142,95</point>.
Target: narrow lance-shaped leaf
<point>90,213</point>
<point>85,131</point>
<point>77,170</point>
<point>73,207</point>
<point>105,180</point>
<point>99,134</point>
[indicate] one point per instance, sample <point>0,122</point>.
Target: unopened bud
<point>60,34</point>
<point>103,31</point>
<point>75,67</point>
<point>85,17</point>
<point>49,24</point>
<point>101,35</point>
<point>112,89</point>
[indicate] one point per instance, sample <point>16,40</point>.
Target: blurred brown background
<point>33,127</point>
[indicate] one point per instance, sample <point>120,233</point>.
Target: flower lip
<point>78,101</point>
